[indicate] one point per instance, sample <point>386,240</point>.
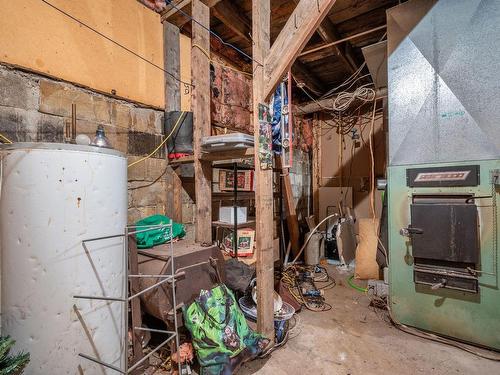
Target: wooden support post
<point>261,20</point>
<point>316,163</point>
<point>200,77</point>
<point>171,53</point>
<point>292,221</point>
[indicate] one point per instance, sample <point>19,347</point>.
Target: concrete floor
<point>353,339</point>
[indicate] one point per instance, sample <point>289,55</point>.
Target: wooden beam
<point>292,221</point>
<point>303,22</point>
<point>261,27</point>
<point>234,18</point>
<point>211,3</point>
<point>327,31</point>
<point>173,15</point>
<point>172,64</point>
<point>170,11</point>
<point>316,165</point>
<point>200,76</point>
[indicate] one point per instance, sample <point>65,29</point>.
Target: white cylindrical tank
<point>53,196</point>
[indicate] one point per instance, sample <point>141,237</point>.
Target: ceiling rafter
<point>299,28</point>
<point>327,31</point>
<point>230,15</point>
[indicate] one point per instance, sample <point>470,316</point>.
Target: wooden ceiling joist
<point>171,11</point>
<point>297,31</point>
<point>327,31</point>
<point>234,18</point>
<point>329,34</point>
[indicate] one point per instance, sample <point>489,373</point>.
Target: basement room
<point>272,187</point>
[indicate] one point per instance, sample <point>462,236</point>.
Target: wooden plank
<point>328,33</point>
<point>170,11</point>
<point>291,212</point>
<point>261,23</point>
<point>299,28</point>
<point>179,4</point>
<point>316,164</point>
<point>221,224</point>
<point>234,18</point>
<point>200,70</point>
<point>182,160</point>
<point>228,155</point>
<point>171,58</point>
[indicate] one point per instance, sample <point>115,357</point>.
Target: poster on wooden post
<point>265,138</point>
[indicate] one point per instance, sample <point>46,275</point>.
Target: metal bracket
<point>163,279</point>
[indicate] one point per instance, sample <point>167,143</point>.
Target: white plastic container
<point>53,196</point>
<point>226,214</point>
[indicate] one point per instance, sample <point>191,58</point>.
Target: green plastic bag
<point>220,333</point>
<point>157,236</point>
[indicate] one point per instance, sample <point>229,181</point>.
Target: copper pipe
<point>73,123</point>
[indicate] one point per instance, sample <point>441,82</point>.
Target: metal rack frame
<point>163,279</point>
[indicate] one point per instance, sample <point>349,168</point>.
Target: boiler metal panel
<point>471,317</point>
<point>443,98</point>
<point>449,232</point>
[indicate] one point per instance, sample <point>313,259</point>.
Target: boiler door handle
<point>437,286</point>
<point>410,231</point>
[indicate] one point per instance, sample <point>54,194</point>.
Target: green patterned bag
<point>220,333</point>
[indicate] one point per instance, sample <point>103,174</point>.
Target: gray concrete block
<point>18,89</point>
<point>19,125</point>
<point>56,99</point>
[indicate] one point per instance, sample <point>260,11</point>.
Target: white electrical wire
<point>344,99</point>
<point>309,237</point>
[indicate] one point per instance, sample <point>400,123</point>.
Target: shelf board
<point>250,224</point>
<point>230,195</point>
<point>238,153</point>
<point>183,160</point>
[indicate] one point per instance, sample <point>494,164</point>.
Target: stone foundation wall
<point>36,109</point>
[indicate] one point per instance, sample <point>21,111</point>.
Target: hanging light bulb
<point>100,139</point>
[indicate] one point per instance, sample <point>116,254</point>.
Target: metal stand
<point>163,279</point>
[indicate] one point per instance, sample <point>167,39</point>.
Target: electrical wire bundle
<point>344,99</point>
<point>295,277</point>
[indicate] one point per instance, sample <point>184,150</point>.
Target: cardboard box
<point>245,239</point>
<point>226,180</point>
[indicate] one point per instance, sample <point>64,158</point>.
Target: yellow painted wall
<point>185,48</point>
<point>36,36</point>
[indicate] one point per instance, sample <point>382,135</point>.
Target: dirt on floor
<point>355,339</point>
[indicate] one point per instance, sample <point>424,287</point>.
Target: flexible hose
<point>181,117</point>
<point>354,286</point>
<point>309,237</point>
